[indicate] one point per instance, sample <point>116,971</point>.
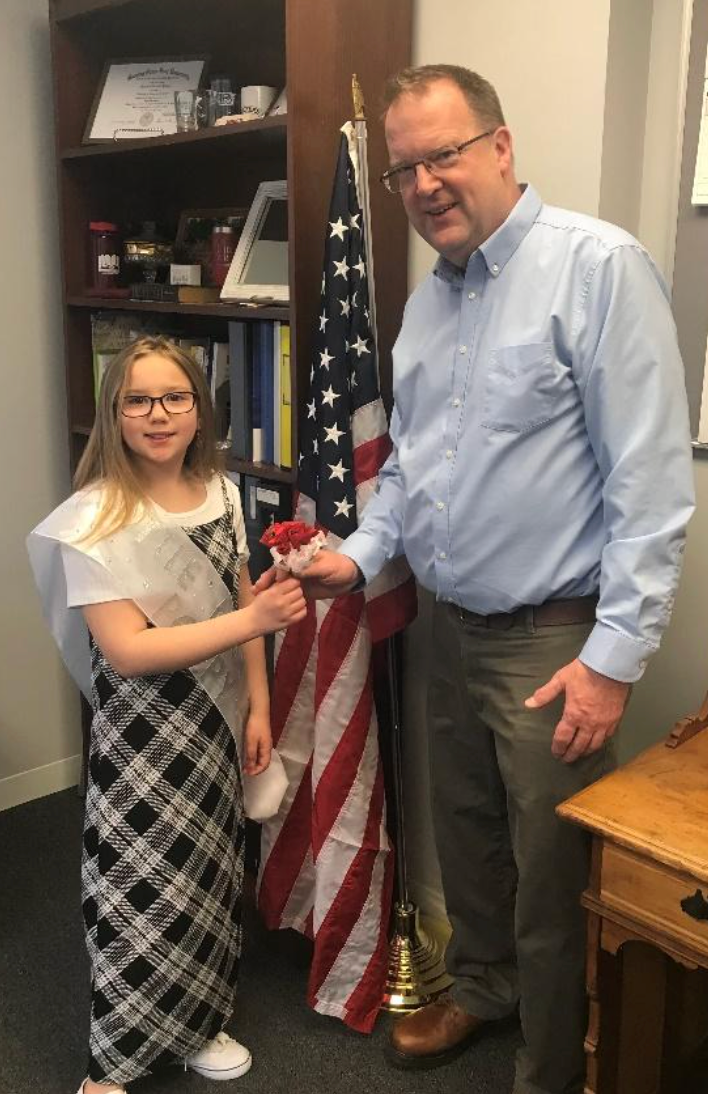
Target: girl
<point>152,549</point>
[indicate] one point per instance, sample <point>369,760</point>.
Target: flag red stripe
<point>341,918</point>
<point>340,773</point>
<point>345,909</point>
<point>392,611</point>
<point>290,668</point>
<point>287,855</point>
<point>337,633</point>
<point>365,1001</point>
<point>369,458</point>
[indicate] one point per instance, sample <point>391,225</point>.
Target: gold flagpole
<point>416,973</point>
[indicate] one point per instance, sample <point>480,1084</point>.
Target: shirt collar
<point>498,249</point>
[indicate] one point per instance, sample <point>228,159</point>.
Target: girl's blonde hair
<point>106,461</point>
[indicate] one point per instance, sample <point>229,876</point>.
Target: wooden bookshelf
<point>313,47</point>
<point>218,311</point>
<point>250,133</point>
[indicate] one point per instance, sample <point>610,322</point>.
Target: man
<point>540,484</point>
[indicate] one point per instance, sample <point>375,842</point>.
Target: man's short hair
<point>480,95</point>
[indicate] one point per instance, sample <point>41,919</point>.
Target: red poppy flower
<point>288,535</point>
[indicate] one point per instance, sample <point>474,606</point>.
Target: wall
<point>661,166</point>
<point>547,60</point>
<point>39,734</point>
<point>626,88</point>
<point>590,92</point>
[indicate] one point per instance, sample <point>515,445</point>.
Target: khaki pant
<point>512,872</point>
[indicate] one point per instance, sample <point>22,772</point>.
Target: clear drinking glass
<point>194,109</point>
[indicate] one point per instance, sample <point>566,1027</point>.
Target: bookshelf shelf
<point>216,311</point>
<point>266,471</point>
<point>74,9</point>
<point>263,130</point>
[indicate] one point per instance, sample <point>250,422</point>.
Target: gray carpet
<point>44,996</point>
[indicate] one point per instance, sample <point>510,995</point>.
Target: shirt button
<point>449,454</point>
<point>455,402</point>
<point>495,269</point>
<point>442,556</point>
<point>463,349</point>
<point>439,504</point>
<point>471,295</point>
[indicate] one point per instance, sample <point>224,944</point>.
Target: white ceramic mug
<point>257,98</point>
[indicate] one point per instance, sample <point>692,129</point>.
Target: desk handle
<point>696,906</point>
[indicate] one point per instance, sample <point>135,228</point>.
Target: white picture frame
<point>238,285</point>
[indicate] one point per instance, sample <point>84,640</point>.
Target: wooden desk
<point>648,921</point>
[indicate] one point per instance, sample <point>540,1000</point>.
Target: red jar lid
<point>102,226</point>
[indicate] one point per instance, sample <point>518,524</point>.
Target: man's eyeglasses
<point>403,175</point>
<point>172,402</point>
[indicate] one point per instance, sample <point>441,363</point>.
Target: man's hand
<point>594,705</point>
<point>328,575</point>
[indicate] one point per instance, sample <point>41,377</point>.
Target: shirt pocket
<point>523,386</point>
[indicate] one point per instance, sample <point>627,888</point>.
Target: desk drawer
<point>651,894</point>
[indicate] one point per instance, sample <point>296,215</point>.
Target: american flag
<point>326,865</point>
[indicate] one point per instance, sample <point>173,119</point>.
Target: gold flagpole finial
<point>358,97</point>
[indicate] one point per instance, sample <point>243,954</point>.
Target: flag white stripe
<point>352,819</point>
<point>338,705</point>
<point>353,959</point>
<point>333,862</point>
<point>395,574</point>
<point>349,828</point>
<point>368,423</point>
<point>302,896</point>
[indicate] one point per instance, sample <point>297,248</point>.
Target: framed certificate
<point>135,98</point>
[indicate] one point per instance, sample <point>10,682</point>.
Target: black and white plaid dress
<point>162,865</point>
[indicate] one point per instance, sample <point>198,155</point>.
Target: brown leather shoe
<point>433,1035</point>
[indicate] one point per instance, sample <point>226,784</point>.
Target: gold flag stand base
<point>416,974</point>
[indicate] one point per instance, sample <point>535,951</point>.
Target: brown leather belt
<point>554,613</point>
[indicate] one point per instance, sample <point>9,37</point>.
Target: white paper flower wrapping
<point>298,558</point>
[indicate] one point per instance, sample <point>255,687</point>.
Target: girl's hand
<point>279,606</point>
<point>257,744</point>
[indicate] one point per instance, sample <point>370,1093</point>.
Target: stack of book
<point>261,410</point>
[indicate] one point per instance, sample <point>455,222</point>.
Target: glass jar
<point>222,97</point>
<point>104,252</point>
<point>148,255</point>
<point>223,245</point>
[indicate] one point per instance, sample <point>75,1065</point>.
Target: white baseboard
<point>39,782</point>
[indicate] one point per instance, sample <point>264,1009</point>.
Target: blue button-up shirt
<point>540,433</point>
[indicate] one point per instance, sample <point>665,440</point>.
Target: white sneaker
<point>220,1059</point>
